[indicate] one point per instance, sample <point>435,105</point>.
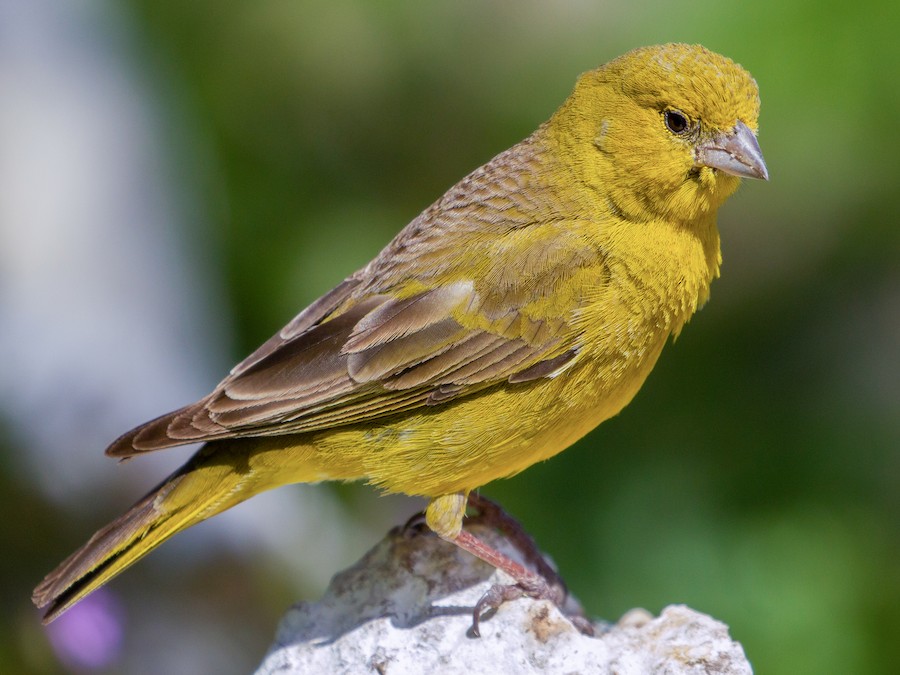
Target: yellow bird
<point>512,316</point>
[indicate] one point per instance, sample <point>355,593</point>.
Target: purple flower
<point>89,636</point>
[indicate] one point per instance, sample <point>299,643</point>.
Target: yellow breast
<point>653,283</point>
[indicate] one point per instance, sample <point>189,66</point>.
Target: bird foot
<point>543,584</point>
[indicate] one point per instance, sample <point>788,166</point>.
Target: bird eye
<point>676,122</point>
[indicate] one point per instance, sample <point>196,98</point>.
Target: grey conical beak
<point>735,152</point>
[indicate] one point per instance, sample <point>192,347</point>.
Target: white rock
<point>406,608</point>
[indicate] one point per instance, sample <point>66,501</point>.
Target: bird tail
<point>195,492</point>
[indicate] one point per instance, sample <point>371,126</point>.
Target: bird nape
<point>512,316</point>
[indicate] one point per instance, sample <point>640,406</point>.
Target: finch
<point>523,308</point>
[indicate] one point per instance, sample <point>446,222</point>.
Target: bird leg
<point>444,517</point>
<point>490,513</point>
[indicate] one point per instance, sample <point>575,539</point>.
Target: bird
<point>520,310</point>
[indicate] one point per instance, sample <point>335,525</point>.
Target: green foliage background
<point>755,477</point>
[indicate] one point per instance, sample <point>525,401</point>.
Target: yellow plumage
<point>510,318</point>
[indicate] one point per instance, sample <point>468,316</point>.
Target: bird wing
<point>469,295</point>
<point>379,356</point>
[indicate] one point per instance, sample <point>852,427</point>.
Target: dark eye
<point>676,122</point>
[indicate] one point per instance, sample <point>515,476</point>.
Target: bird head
<point>668,131</point>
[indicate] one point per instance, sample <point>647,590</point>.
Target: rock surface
<point>406,607</point>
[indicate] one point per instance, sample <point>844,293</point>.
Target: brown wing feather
<point>192,423</point>
<point>378,357</point>
<point>420,325</point>
<point>309,317</point>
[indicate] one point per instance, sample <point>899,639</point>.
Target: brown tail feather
<point>103,557</point>
<point>195,492</point>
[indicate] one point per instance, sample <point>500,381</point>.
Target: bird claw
<point>491,601</point>
<point>536,588</point>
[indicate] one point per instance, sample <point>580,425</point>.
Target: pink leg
<point>545,584</point>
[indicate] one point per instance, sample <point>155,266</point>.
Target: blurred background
<point>179,179</point>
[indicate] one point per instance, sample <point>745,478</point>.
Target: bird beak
<point>735,152</point>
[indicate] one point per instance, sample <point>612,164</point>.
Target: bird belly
<point>462,445</point>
